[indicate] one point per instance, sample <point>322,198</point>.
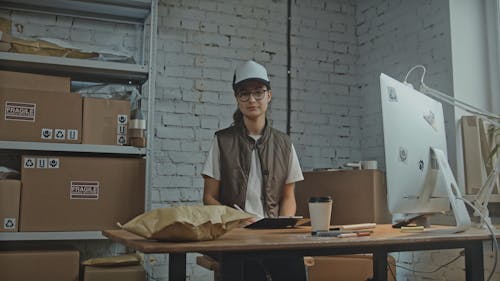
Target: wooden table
<point>239,243</point>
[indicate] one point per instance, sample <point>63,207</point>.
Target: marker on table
<point>353,234</point>
<point>358,226</point>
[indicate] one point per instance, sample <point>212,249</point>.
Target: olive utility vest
<point>274,151</point>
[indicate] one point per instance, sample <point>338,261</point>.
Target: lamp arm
<point>483,114</point>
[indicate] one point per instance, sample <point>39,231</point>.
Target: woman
<point>254,166</point>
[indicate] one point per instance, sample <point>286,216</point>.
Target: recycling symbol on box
<point>9,223</point>
<point>60,134</point>
<point>29,163</point>
<point>121,139</point>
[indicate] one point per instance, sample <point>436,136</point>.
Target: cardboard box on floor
<point>35,82</point>
<point>359,196</point>
<point>37,116</point>
<point>63,193</point>
<point>345,268</point>
<point>49,265</point>
<point>10,195</point>
<point>114,273</point>
<point>105,121</point>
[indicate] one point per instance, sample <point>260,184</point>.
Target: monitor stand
<point>462,218</point>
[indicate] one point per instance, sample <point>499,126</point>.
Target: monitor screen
<point>412,124</point>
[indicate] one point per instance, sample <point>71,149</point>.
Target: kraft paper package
<point>186,223</point>
<point>120,260</point>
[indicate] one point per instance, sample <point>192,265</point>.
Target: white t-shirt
<point>253,201</point>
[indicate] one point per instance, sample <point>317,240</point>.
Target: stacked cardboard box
<point>64,193</point>
<point>10,195</point>
<point>114,273</point>
<point>343,268</point>
<point>40,265</point>
<point>359,196</point>
<point>475,151</point>
<point>105,121</point>
<point>39,108</point>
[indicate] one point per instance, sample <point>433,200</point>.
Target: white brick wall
<point>339,47</point>
<point>325,118</point>
<point>393,36</point>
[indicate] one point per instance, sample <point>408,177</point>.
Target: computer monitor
<point>419,179</point>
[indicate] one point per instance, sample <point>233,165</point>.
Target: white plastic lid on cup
<point>321,199</point>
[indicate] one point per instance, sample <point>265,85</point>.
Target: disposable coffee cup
<point>320,212</point>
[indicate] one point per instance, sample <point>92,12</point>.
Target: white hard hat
<point>250,70</point>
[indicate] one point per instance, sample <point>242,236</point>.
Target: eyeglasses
<point>258,94</point>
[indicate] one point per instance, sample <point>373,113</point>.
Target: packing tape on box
<point>137,124</point>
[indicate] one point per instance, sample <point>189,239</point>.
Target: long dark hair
<point>237,116</point>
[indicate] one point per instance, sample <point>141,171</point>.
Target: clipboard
<point>277,223</point>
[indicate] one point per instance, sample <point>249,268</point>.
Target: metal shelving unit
<point>46,236</point>
<point>68,147</point>
<point>136,12</point>
<point>123,11</point>
<point>79,69</point>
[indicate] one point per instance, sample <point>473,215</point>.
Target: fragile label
<point>20,111</point>
<point>84,190</point>
<point>9,223</point>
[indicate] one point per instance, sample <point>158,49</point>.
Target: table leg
<point>232,267</point>
<point>177,267</point>
<point>474,261</point>
<point>380,265</point>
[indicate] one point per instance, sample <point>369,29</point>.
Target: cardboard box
<point>114,273</point>
<point>359,196</point>
<point>105,121</point>
<point>63,193</point>
<point>61,265</point>
<point>10,195</point>
<point>473,143</point>
<point>40,116</point>
<point>343,268</point>
<point>35,82</point>
<point>4,47</point>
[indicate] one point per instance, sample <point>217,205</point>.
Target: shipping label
<point>20,111</point>
<point>84,190</point>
